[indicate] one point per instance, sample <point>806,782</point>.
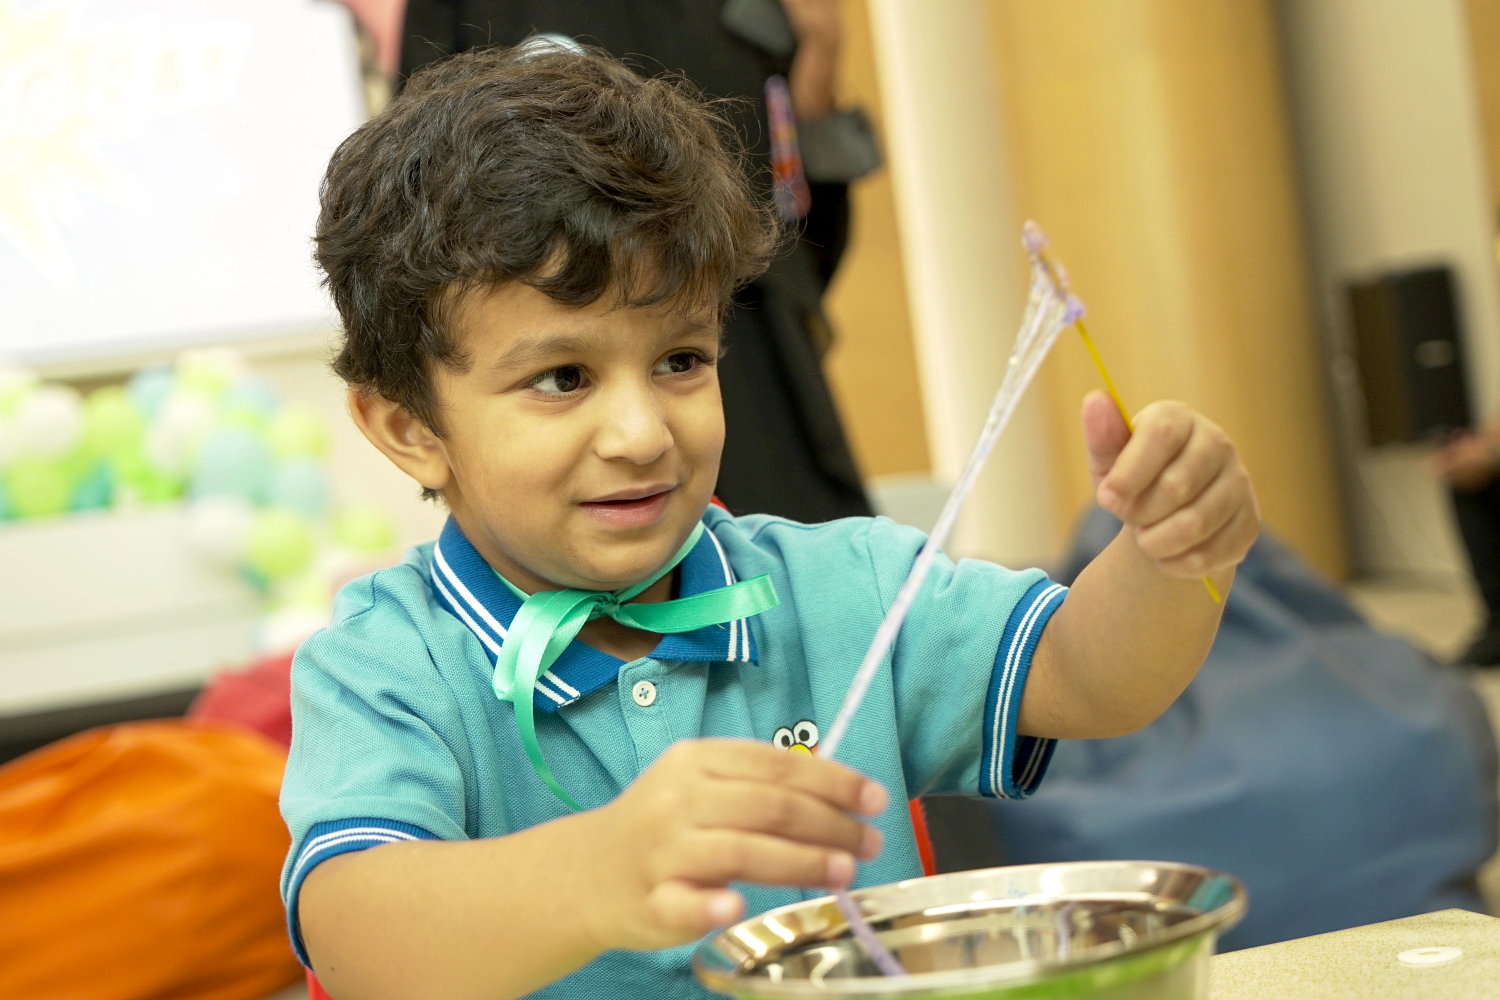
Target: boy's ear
<point>401,437</point>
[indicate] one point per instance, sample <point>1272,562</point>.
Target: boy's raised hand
<point>711,812</point>
<point>1177,481</point>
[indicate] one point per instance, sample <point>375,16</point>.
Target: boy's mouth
<point>631,508</point>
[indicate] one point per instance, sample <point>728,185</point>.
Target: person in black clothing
<point>1469,463</point>
<point>784,452</point>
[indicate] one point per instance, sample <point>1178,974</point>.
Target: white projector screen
<point>159,168</point>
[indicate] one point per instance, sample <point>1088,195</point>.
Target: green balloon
<point>14,387</point>
<point>280,545</point>
<point>38,487</point>
<point>364,529</point>
<point>297,430</point>
<point>138,478</point>
<point>308,590</point>
<point>112,423</point>
<point>205,373</point>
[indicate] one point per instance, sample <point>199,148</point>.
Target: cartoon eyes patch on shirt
<point>799,738</point>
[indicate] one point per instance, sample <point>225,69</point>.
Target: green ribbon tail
<point>558,617</point>
<point>712,607</point>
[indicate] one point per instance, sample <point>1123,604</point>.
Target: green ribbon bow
<point>550,619</point>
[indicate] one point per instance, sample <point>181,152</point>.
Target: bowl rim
<point>721,975</point>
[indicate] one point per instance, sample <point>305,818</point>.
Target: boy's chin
<point>624,558</point>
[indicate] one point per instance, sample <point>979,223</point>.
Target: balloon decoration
<point>209,434</point>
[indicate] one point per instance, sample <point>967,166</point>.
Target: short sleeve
<point>373,758</point>
<point>960,667</point>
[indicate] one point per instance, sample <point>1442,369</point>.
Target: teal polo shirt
<point>397,733</point>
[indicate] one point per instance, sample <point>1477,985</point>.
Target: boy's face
<point>582,444</point>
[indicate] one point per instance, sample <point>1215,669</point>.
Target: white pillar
<point>1390,145</point>
<point>960,247</point>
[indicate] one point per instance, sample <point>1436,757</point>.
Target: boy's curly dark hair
<point>560,169</point>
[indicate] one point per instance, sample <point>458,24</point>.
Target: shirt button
<point>644,693</point>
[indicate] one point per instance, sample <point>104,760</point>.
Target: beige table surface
<point>1361,962</point>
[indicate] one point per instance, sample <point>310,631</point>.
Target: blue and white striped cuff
<point>326,840</point>
<point>1012,766</point>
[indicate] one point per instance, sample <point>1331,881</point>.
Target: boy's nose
<point>634,426</point>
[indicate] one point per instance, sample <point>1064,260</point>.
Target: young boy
<point>532,252</point>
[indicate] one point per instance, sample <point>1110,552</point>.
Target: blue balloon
<point>96,490</point>
<point>252,395</point>
<point>301,484</point>
<point>149,386</point>
<point>233,462</point>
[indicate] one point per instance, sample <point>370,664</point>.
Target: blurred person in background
<point>785,451</point>
<point>1469,463</point>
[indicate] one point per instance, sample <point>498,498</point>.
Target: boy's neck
<point>621,641</point>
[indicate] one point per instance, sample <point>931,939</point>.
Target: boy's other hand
<point>1177,481</point>
<point>711,812</point>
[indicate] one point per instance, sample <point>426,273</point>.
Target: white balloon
<point>284,629</point>
<point>49,420</point>
<point>219,527</point>
<point>173,438</point>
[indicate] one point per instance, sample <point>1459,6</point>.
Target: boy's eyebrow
<point>541,348</point>
<point>533,350</point>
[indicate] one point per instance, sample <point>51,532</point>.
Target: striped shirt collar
<point>469,589</point>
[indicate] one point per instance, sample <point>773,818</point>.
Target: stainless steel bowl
<point>1106,930</point>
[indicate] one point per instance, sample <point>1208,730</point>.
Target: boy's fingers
<point>1162,430</point>
<point>783,812</point>
<point>718,857</point>
<point>679,907</point>
<point>830,781</point>
<point>1190,526</point>
<point>1104,433</point>
<point>1226,547</point>
<point>1197,465</point>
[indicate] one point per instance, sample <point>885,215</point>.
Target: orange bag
<point>141,861</point>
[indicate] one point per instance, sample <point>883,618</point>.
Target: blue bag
<point>1337,771</point>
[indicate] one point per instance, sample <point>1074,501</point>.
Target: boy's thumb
<point>1104,433</point>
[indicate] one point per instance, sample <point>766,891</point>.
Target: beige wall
<point>1393,163</point>
<point>1150,140</point>
<point>873,366</point>
<point>1483,19</point>
<point>960,253</point>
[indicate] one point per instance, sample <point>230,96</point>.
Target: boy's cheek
<point>700,425</point>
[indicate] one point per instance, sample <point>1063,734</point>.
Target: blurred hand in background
<point>1467,461</point>
<point>819,30</point>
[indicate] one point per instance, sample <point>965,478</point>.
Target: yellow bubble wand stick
<point>1036,244</point>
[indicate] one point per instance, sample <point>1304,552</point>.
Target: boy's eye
<point>568,378</point>
<point>679,363</point>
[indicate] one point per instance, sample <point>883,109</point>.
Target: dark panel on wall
<point>1410,354</point>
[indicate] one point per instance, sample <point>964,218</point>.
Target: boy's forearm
<point>487,919</point>
<point>1122,647</point>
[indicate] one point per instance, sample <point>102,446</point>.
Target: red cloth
<point>924,838</point>
<point>258,697</point>
<point>315,989</point>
